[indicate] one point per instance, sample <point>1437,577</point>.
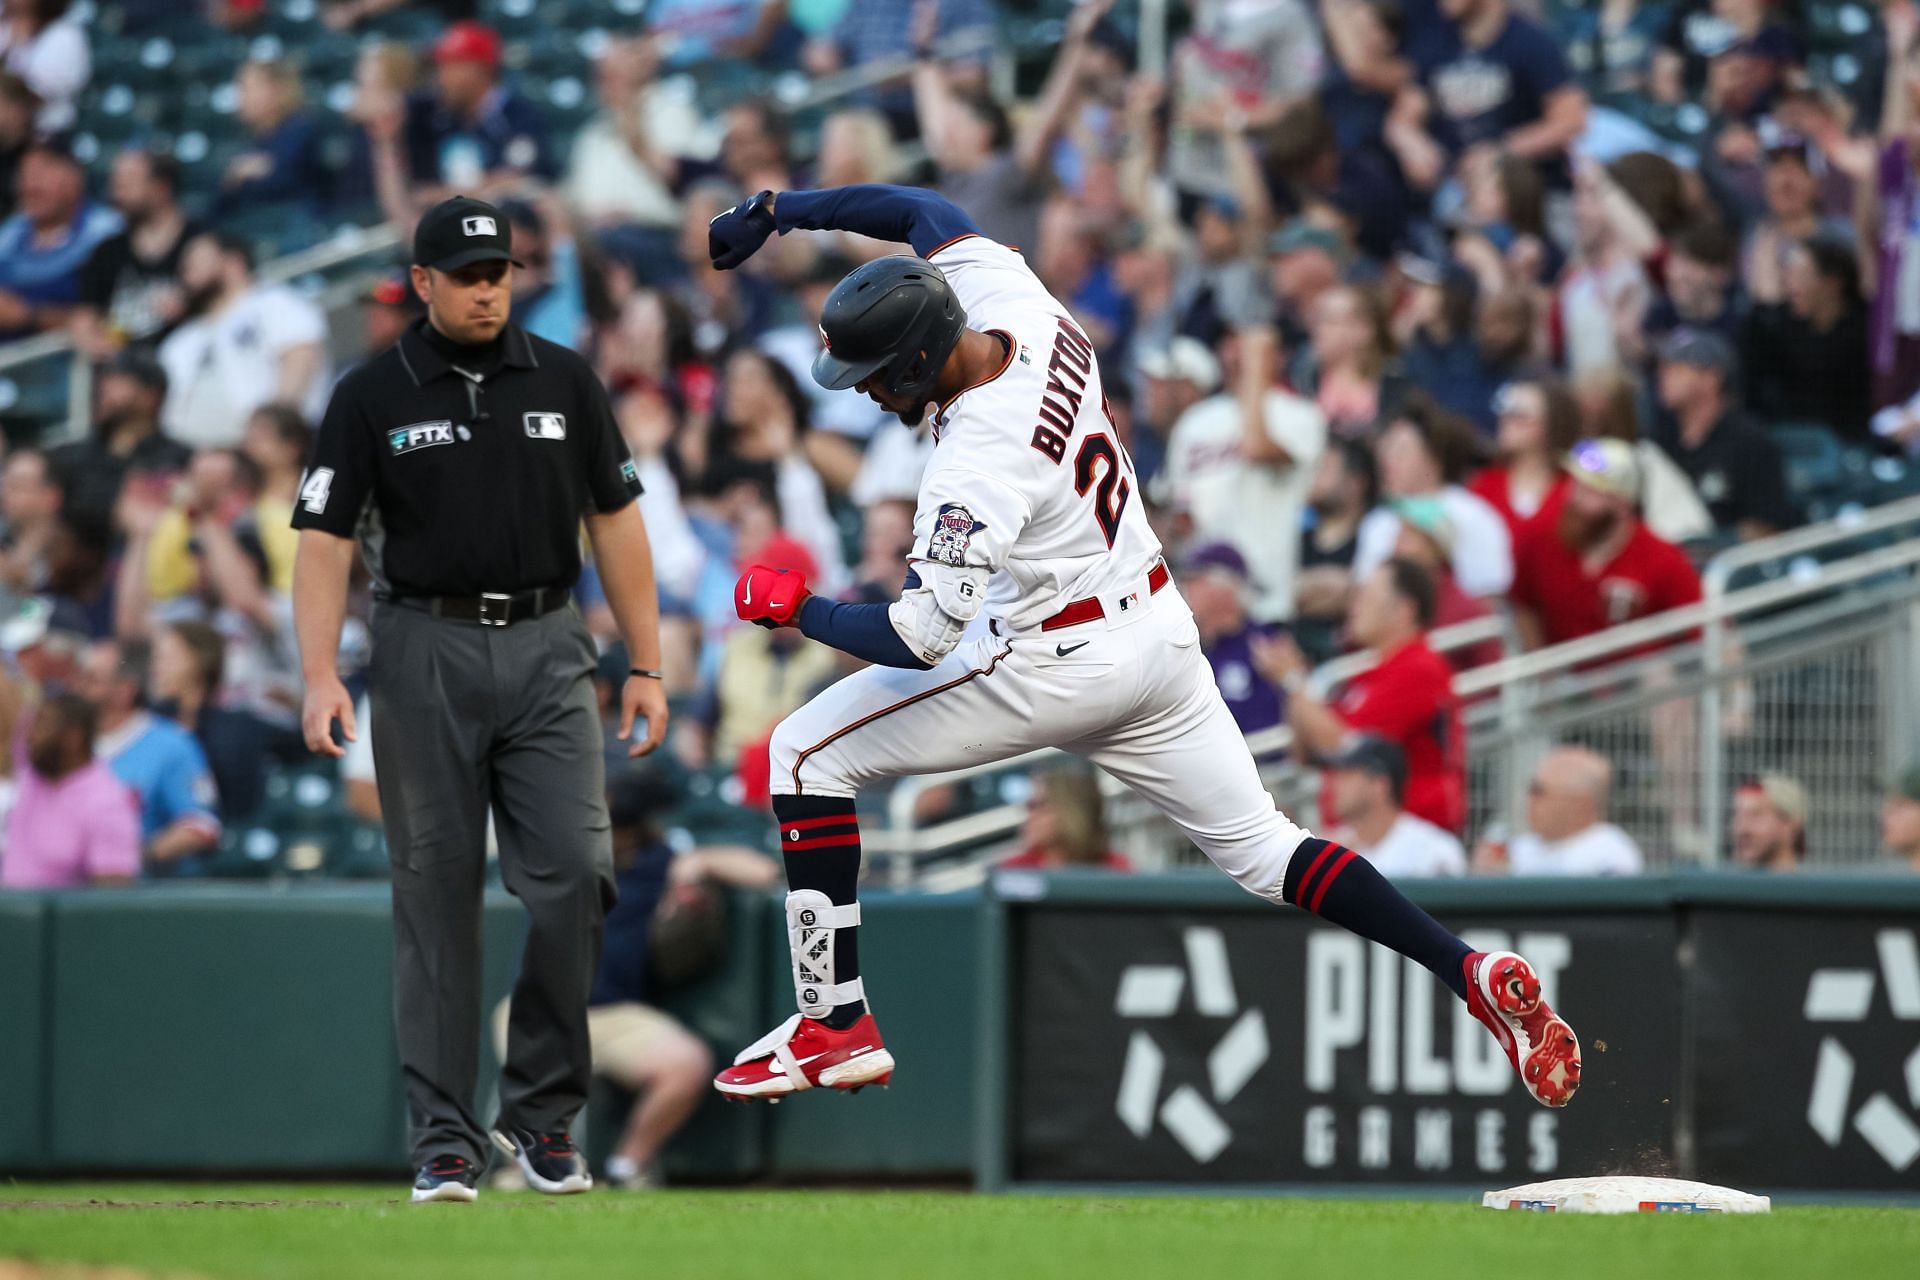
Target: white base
<point>1625,1195</point>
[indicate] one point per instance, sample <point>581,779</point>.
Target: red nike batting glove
<point>769,597</point>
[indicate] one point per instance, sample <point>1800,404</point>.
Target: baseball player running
<point>1028,514</point>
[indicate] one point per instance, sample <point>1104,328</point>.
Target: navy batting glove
<point>737,234</point>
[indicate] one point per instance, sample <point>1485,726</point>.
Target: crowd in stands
<point>1410,312</point>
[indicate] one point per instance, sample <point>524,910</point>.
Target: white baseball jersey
<point>1028,482</point>
<point>1028,479</point>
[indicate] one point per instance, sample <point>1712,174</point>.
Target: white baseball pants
<point>1130,692</point>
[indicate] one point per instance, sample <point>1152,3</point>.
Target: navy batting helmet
<point>895,317</point>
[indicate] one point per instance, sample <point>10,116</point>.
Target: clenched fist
<point>769,597</point>
<point>737,234</point>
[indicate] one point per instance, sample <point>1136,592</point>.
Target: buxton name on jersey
<point>1028,479</point>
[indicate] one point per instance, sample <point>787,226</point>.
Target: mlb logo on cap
<point>460,232</point>
<point>546,426</point>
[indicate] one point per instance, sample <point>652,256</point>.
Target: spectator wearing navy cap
<point>1367,783</point>
<point>1213,578</point>
<point>472,133</point>
<point>1735,465</point>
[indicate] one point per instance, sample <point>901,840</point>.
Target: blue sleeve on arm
<point>862,630</point>
<point>915,215</point>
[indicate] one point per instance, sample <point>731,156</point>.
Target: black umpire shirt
<point>471,465</point>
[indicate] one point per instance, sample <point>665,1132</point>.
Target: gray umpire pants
<point>468,718</point>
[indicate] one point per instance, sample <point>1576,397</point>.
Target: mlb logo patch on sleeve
<point>546,426</point>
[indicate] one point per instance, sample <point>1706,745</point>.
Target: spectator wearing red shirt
<point>1538,422</point>
<point>1066,826</point>
<point>1407,698</point>
<point>1605,567</point>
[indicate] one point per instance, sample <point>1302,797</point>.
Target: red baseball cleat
<point>805,1053</point>
<point>1504,993</point>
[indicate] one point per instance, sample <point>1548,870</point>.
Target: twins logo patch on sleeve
<point>953,530</point>
<point>545,426</point>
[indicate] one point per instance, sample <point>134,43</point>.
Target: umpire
<point>463,460</point>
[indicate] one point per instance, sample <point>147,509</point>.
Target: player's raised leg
<point>880,722</point>
<point>1185,754</point>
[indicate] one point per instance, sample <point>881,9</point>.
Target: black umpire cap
<point>460,232</point>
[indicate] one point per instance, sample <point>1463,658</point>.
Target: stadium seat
<point>1815,461</point>
<point>360,853</point>
<point>246,852</point>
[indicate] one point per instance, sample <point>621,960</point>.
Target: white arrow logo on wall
<point>1153,991</point>
<point>1845,995</point>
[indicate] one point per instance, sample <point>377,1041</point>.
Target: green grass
<point>366,1232</point>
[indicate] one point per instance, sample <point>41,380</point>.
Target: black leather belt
<point>489,608</point>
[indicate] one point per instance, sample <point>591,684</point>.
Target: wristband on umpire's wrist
<point>644,674</point>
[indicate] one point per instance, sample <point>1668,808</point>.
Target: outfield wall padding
<point>1067,1029</point>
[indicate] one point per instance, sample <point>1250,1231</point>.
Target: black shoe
<point>446,1178</point>
<point>550,1160</point>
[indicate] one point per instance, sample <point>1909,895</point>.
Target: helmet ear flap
<point>917,371</point>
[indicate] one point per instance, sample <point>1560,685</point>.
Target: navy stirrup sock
<point>820,841</point>
<point>1340,886</point>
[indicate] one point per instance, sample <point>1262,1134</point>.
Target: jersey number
<point>1115,488</point>
<point>313,492</point>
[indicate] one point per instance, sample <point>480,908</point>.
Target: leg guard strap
<point>812,919</point>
